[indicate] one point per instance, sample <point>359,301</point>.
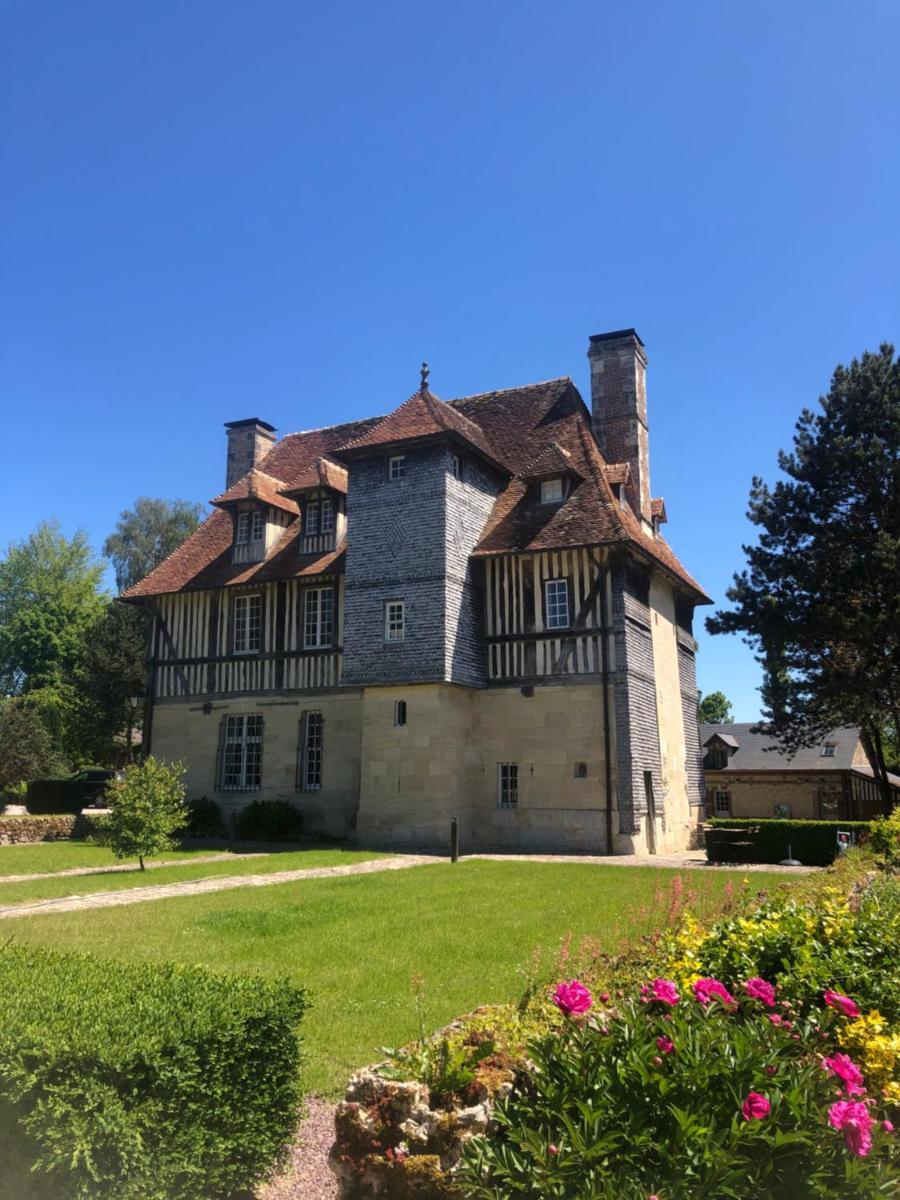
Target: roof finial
<point>425,372</point>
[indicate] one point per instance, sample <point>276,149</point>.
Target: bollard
<point>454,840</point>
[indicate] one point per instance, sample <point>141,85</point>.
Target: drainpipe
<point>604,659</point>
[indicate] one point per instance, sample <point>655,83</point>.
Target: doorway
<point>651,812</point>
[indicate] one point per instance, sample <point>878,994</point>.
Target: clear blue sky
<point>213,210</point>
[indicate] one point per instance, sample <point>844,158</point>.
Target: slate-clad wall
<point>687,671</point>
<point>395,551</point>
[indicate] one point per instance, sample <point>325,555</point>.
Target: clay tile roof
<point>658,509</point>
<point>423,415</point>
<point>256,485</point>
<point>554,459</point>
<point>618,472</point>
<point>323,473</point>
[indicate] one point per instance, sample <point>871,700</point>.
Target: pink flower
<point>847,1071</point>
<point>663,990</point>
<point>775,1018</point>
<point>705,989</point>
<point>665,1045</point>
<point>656,1060</point>
<point>572,998</point>
<point>887,1126</point>
<point>771,1070</point>
<point>755,1107</point>
<point>551,1149</point>
<point>603,997</point>
<point>842,1003</point>
<point>759,989</point>
<point>853,1120</point>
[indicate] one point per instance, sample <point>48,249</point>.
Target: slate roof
<point>514,428</point>
<point>753,753</point>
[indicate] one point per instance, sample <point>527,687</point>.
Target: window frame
<point>554,499</point>
<point>326,516</point>
<point>829,749</point>
<point>321,639</point>
<point>399,714</point>
<point>311,518</point>
<point>310,751</point>
<point>249,741</point>
<point>390,625</point>
<point>508,785</point>
<point>719,793</point>
<point>716,758</point>
<point>396,468</point>
<point>243,603</point>
<point>553,583</point>
<point>456,466</point>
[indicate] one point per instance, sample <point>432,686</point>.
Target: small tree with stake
<point>147,810</point>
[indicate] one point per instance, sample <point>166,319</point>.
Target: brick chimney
<point>249,441</point>
<point>619,409</point>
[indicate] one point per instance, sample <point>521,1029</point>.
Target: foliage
<point>25,746</point>
<point>204,819</point>
<point>685,1100</point>
<point>147,810</point>
<point>141,1082</point>
<point>147,534</point>
<point>820,601</point>
<point>715,709</point>
<point>58,796</point>
<point>107,675</point>
<point>885,838</point>
<point>269,821</point>
<point>813,843</point>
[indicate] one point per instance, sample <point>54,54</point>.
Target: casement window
<point>240,754</point>
<point>507,785</point>
<point>251,527</point>
<point>318,617</point>
<point>556,604</point>
<point>456,466</point>
<point>309,764</point>
<point>311,521</point>
<point>828,750</point>
<point>397,467</point>
<point>716,757</point>
<point>721,804</point>
<point>551,491</point>
<point>247,624</point>
<point>319,517</point>
<point>400,712</point>
<point>394,621</point>
<point>326,516</point>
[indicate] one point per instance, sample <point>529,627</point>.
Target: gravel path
<point>691,859</point>
<point>306,1176</point>
<point>113,868</point>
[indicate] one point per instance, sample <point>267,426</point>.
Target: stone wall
<point>18,830</point>
<point>757,795</point>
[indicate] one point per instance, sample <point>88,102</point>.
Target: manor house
<point>464,608</point>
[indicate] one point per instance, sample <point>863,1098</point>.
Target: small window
<point>247,624</point>
<point>716,757</point>
<point>394,621</point>
<point>242,533</point>
<point>397,467</point>
<point>828,750</point>
<point>318,617</point>
<point>507,785</point>
<point>311,523</point>
<point>581,770</point>
<point>556,603</point>
<point>722,804</point>
<point>400,712</point>
<point>310,764</point>
<point>326,524</point>
<point>456,466</point>
<point>551,491</point>
<point>257,526</point>
<point>240,761</point>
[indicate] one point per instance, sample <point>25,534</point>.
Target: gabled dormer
<point>321,495</point>
<point>551,475</point>
<point>259,513</point>
<point>718,750</point>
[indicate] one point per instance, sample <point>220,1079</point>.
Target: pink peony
<point>759,989</point>
<point>755,1107</point>
<point>572,998</point>
<point>853,1120</point>
<point>665,1045</point>
<point>663,990</point>
<point>705,989</point>
<point>848,1073</point>
<point>843,1004</point>
<point>771,1070</point>
<point>775,1018</point>
<point>551,1149</point>
<point>887,1126</point>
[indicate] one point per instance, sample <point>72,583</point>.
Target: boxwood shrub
<point>744,840</point>
<point>162,1082</point>
<point>269,821</point>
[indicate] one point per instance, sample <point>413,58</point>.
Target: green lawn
<point>355,942</point>
<point>60,856</point>
<point>52,887</point>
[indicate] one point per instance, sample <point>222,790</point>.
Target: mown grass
<point>61,856</point>
<point>51,887</point>
<point>356,941</point>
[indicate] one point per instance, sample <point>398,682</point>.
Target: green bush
<point>744,840</point>
<point>146,810</point>
<point>141,1082</point>
<point>269,821</point>
<point>204,819</point>
<point>885,838</point>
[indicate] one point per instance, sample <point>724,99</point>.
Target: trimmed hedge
<point>204,819</point>
<point>744,840</point>
<point>139,1081</point>
<point>57,796</point>
<point>269,821</point>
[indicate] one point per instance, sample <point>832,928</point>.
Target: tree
<point>147,534</point>
<point>107,676</point>
<point>715,709</point>
<point>147,810</point>
<point>26,749</point>
<point>820,601</point>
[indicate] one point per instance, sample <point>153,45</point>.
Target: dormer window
<point>397,467</point>
<point>251,527</point>
<point>828,750</point>
<point>551,490</point>
<point>326,516</point>
<point>716,757</point>
<point>319,517</point>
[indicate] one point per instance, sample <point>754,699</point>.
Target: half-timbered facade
<point>459,609</point>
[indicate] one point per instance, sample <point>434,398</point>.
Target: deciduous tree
<point>26,749</point>
<point>148,533</point>
<point>147,810</point>
<point>715,709</point>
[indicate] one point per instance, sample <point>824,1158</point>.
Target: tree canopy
<point>820,598</point>
<point>715,709</point>
<point>26,749</point>
<point>148,533</point>
<point>147,810</point>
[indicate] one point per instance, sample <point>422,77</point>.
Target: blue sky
<point>219,210</point>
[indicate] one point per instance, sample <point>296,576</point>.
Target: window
<point>828,750</point>
<point>327,516</point>
<point>309,773</point>
<point>400,712</point>
<point>318,617</point>
<point>242,535</point>
<point>247,624</point>
<point>716,757</point>
<point>240,754</point>
<point>556,603</point>
<point>722,804</point>
<point>830,804</point>
<point>250,527</point>
<point>507,785</point>
<point>581,770</point>
<point>311,524</point>
<point>456,466</point>
<point>394,621</point>
<point>397,467</point>
<point>551,491</point>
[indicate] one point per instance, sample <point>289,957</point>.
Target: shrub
<point>204,819</point>
<point>141,1082</point>
<point>269,821</point>
<point>747,841</point>
<point>147,809</point>
<point>703,1097</point>
<point>885,838</point>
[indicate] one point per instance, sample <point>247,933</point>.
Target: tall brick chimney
<point>248,442</point>
<point>619,408</point>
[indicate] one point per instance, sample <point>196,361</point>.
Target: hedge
<point>141,1081</point>
<point>744,840</point>
<point>58,796</point>
<point>269,821</point>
